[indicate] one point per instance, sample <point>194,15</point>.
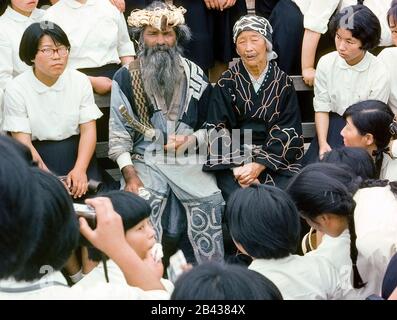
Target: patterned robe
<point>270,131</point>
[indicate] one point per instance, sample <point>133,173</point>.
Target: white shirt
<point>339,85</point>
<point>12,26</point>
<point>375,219</point>
<point>97,32</point>
<point>389,168</point>
<point>317,14</point>
<point>301,278</point>
<point>389,57</point>
<point>42,290</point>
<point>337,251</point>
<point>49,113</point>
<point>116,277</point>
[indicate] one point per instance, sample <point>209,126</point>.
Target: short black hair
<point>357,159</point>
<point>7,142</point>
<point>31,39</point>
<point>132,209</point>
<point>264,221</point>
<point>60,228</point>
<point>361,22</point>
<point>20,210</point>
<point>217,281</point>
<point>377,118</point>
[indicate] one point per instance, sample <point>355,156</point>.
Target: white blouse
<point>49,113</point>
<point>12,26</point>
<point>97,32</point>
<point>389,57</point>
<point>317,14</point>
<point>301,278</point>
<point>338,85</point>
<point>375,219</point>
<point>116,277</point>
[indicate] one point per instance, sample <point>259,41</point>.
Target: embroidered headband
<point>253,23</point>
<point>159,18</point>
<point>259,24</point>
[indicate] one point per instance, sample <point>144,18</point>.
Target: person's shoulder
<point>21,80</point>
<point>123,74</point>
<point>193,67</point>
<point>108,7</point>
<point>57,7</point>
<point>388,55</point>
<point>328,58</point>
<point>75,76</point>
<point>367,195</point>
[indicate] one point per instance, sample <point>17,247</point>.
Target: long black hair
<point>325,187</point>
<point>377,118</point>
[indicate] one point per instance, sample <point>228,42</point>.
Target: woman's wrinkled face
<point>251,47</point>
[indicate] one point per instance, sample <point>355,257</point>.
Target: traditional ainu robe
<point>269,123</point>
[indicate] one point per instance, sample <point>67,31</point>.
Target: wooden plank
<point>299,84</point>
<point>102,149</point>
<point>308,129</point>
<point>102,101</point>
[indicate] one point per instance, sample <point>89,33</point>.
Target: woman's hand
<point>308,75</point>
<point>77,183</point>
<point>248,173</point>
<point>324,148</point>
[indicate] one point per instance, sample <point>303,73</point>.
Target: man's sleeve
<point>120,139</point>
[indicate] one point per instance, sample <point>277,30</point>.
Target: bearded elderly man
<point>167,94</point>
<point>253,119</point>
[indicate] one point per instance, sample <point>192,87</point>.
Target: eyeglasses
<point>49,52</point>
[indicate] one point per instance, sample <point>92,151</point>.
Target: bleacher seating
<point>103,103</point>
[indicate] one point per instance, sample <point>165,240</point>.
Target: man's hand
<point>226,4</point>
<point>77,183</point>
<point>248,173</point>
<point>132,181</point>
<point>179,143</point>
<point>101,85</point>
<point>213,4</point>
<point>308,75</point>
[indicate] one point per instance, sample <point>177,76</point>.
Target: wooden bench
<point>102,146</point>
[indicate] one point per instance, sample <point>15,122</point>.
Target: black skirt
<point>334,138</point>
<point>60,157</point>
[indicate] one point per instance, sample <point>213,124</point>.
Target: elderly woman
<point>51,109</point>
<point>259,99</point>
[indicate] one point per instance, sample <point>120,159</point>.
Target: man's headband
<point>159,18</point>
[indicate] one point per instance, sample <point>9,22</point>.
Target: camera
<point>87,212</point>
<point>93,185</point>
